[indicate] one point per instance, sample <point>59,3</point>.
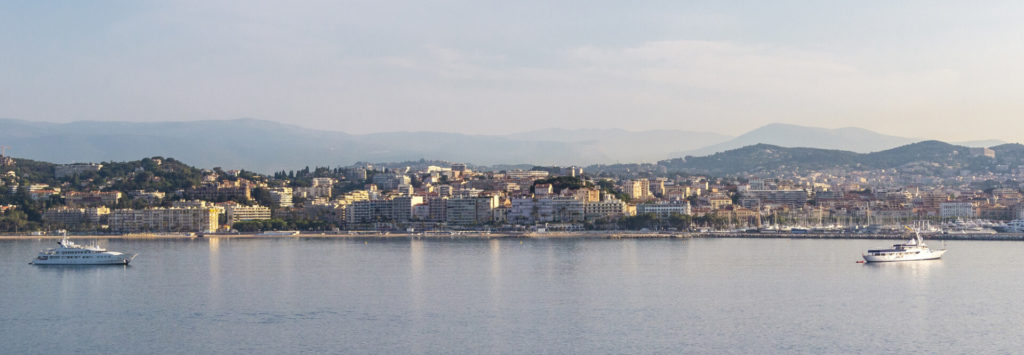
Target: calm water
<point>512,296</point>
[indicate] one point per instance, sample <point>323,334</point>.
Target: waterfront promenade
<point>538,235</point>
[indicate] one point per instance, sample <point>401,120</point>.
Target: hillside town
<point>158,195</point>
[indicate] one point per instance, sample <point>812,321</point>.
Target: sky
<point>934,69</point>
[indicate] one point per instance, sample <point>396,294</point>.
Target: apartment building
<point>604,209</point>
<point>199,220</point>
<point>637,189</point>
<point>92,198</point>
<point>65,216</point>
<point>61,171</point>
<point>957,210</point>
<point>237,213</point>
<point>663,210</point>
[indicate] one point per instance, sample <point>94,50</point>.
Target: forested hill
<point>926,156</point>
<point>152,174</point>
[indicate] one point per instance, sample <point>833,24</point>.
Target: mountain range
<point>617,145</point>
<point>267,146</point>
<point>852,139</point>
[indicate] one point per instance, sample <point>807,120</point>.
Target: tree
<point>416,182</point>
<point>640,221</point>
<point>17,221</point>
<point>263,197</point>
<point>248,226</point>
<point>561,182</point>
<point>680,221</point>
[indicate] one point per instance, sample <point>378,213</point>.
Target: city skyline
<point>915,70</point>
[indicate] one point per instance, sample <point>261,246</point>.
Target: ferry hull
<point>932,255</point>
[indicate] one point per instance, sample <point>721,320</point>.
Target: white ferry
<point>69,253</point>
<point>910,251</point>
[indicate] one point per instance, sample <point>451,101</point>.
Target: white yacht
<point>909,251</point>
<point>1015,226</point>
<point>969,227</point>
<point>69,253</point>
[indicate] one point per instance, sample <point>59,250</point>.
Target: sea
<point>517,296</point>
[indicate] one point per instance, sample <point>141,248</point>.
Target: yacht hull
<point>114,260</point>
<point>894,257</point>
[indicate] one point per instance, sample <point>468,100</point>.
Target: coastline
<point>531,235</point>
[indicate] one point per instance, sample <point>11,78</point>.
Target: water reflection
<point>914,280</point>
<point>917,269</point>
<point>713,296</point>
<point>629,256</point>
<point>214,284</point>
<point>495,246</point>
<point>416,275</point>
<point>75,282</point>
<point>72,268</point>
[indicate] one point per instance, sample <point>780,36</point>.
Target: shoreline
<point>533,235</point>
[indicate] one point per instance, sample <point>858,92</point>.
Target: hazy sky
<point>946,70</point>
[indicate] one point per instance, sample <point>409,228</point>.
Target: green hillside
<point>926,157</point>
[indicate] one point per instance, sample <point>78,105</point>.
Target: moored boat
<point>913,250</point>
<point>69,253</point>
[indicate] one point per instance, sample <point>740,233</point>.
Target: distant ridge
<point>984,143</point>
<point>258,145</point>
<point>267,146</point>
<point>786,135</point>
<point>620,145</point>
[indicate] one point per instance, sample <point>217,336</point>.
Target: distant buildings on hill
<point>461,197</point>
